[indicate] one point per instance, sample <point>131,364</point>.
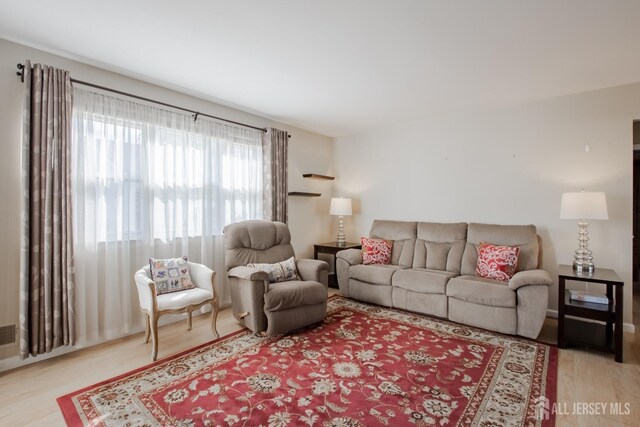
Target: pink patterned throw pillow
<point>497,262</point>
<point>376,251</point>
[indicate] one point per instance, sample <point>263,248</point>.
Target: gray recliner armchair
<point>272,308</point>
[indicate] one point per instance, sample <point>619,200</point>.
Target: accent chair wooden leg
<point>214,318</point>
<point>147,328</point>
<point>154,337</point>
<point>189,319</point>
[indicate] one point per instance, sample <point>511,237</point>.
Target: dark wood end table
<point>333,248</point>
<point>597,336</point>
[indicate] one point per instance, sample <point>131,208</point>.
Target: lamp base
<point>583,257</point>
<point>583,268</point>
<point>342,239</point>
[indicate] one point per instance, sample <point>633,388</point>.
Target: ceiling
<point>343,67</point>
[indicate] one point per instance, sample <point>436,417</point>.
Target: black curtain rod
<point>195,113</point>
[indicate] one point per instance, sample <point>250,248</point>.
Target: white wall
<point>308,152</point>
<point>507,166</point>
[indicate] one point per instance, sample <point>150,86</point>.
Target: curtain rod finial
<point>20,71</point>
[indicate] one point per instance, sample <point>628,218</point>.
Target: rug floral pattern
<point>364,366</point>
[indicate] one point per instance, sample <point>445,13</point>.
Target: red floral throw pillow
<point>376,251</point>
<point>497,262</point>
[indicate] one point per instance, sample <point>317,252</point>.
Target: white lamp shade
<point>340,206</point>
<point>583,205</point>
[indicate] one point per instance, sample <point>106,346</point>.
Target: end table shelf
<point>582,329</point>
<point>588,335</point>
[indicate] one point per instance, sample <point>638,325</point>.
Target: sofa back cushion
<point>403,234</point>
<point>440,246</point>
<point>256,241</point>
<point>523,236</point>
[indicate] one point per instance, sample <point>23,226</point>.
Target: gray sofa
<point>432,272</point>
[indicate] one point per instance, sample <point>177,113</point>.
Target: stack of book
<point>588,297</point>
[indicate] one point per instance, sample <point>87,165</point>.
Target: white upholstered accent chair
<point>153,306</point>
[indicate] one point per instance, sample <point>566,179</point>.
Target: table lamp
<point>340,206</point>
<point>583,206</point>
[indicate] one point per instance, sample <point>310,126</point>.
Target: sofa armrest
<point>312,269</point>
<point>145,294</point>
<point>530,277</point>
<point>352,256</point>
<point>248,273</point>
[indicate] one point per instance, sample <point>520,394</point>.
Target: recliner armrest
<point>352,256</point>
<point>248,273</point>
<point>530,277</point>
<point>310,269</point>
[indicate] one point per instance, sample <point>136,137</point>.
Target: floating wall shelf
<point>311,176</point>
<point>304,194</point>
<point>318,176</point>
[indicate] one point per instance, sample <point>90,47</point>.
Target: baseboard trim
<point>628,327</point>
<point>13,362</point>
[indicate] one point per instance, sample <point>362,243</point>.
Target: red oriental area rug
<point>364,366</point>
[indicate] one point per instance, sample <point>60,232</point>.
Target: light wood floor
<point>28,394</point>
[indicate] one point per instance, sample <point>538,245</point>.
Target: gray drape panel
<point>46,274</point>
<point>279,143</point>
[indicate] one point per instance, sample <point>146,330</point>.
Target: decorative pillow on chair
<point>497,262</point>
<point>280,271</point>
<point>376,251</point>
<point>170,275</point>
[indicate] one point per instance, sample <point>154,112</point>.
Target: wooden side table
<point>572,331</point>
<point>332,248</point>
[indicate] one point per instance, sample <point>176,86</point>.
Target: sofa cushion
<point>444,256</point>
<point>375,273</point>
<point>403,235</point>
<point>437,253</point>
<point>481,291</point>
<point>178,300</point>
<point>422,280</point>
<point>523,236</point>
<point>440,246</point>
<point>442,232</point>
<point>497,262</point>
<point>376,251</point>
<point>295,293</point>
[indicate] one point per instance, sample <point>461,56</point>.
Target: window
<point>143,173</point>
<point>148,182</point>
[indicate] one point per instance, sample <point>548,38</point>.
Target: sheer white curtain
<point>149,182</point>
